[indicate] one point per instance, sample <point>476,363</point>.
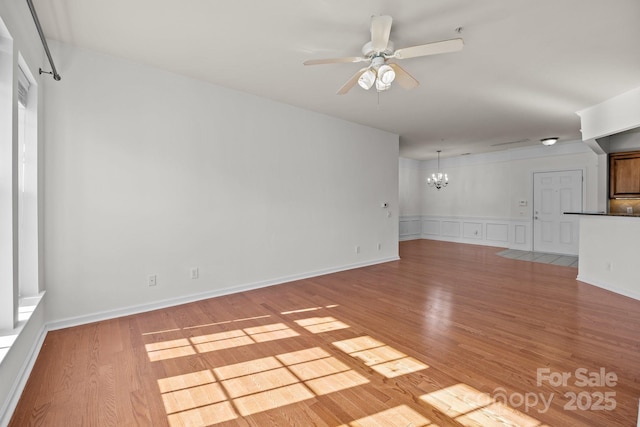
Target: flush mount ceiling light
<point>549,141</point>
<point>439,179</point>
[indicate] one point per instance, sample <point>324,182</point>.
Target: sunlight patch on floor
<point>471,407</point>
<point>195,399</point>
<point>257,385</point>
<point>317,325</point>
<point>170,349</point>
<point>272,399</point>
<point>203,416</point>
<point>399,416</point>
<point>224,322</point>
<point>304,310</point>
<point>384,359</point>
<point>180,382</point>
<point>241,389</point>
<point>272,332</point>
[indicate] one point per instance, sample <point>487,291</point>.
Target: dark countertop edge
<point>634,215</point>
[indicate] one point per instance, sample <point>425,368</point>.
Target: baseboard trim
<point>614,289</point>
<point>141,308</point>
<point>6,412</point>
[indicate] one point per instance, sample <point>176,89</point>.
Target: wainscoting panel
<point>498,232</point>
<point>450,228</point>
<point>410,228</point>
<point>507,233</point>
<point>520,236</point>
<point>472,230</point>
<point>430,227</point>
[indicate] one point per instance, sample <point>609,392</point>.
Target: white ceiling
<point>526,68</point>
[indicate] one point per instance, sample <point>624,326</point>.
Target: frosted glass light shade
<point>380,86</point>
<point>549,141</point>
<point>386,74</point>
<point>367,79</point>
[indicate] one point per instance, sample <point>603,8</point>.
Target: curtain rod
<point>53,71</point>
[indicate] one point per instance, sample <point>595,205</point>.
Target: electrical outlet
<point>357,249</point>
<point>152,280</point>
<point>379,246</point>
<point>195,273</point>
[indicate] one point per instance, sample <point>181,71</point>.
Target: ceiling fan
<point>380,50</point>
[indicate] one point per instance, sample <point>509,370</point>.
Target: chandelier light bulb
<point>438,180</point>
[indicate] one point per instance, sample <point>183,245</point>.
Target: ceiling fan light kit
<point>367,79</point>
<point>379,73</point>
<point>386,74</point>
<point>380,50</point>
<point>381,86</point>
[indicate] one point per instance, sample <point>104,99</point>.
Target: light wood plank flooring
<point>451,335</point>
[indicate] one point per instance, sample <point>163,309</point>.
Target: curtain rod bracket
<point>56,76</point>
<point>36,21</point>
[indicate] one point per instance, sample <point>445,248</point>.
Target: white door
<point>553,194</point>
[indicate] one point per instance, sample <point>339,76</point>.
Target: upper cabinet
<point>624,175</point>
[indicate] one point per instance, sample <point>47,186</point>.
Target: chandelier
<point>439,179</point>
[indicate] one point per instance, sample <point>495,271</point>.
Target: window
<point>19,219</point>
<point>27,184</point>
<point>8,283</point>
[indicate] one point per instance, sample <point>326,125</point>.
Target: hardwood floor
<point>446,336</point>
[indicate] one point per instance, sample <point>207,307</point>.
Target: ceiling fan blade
<point>453,45</point>
<point>404,79</point>
<point>334,60</point>
<point>380,31</point>
<point>351,82</point>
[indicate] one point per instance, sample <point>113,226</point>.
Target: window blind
<point>23,87</point>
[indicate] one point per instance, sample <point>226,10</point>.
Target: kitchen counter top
<point>633,215</point>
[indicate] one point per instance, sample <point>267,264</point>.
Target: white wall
<point>625,141</point>
<point>149,172</point>
<point>609,248</point>
<point>481,203</point>
<point>617,114</point>
<point>491,185</point>
<point>411,186</point>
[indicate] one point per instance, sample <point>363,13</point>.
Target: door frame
<point>533,193</point>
